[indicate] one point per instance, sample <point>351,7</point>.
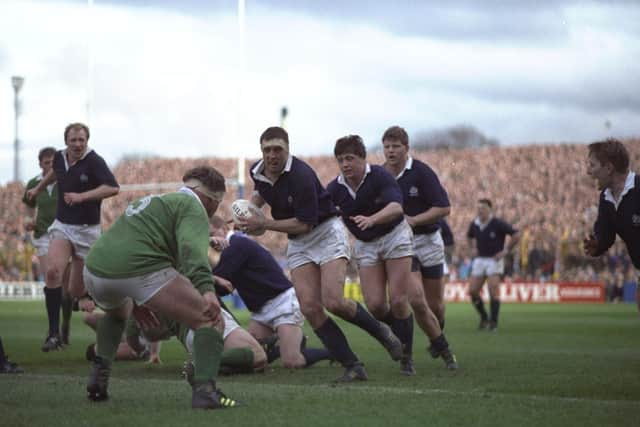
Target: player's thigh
<point>241,338</point>
<point>290,337</point>
<point>399,276</point>
<point>475,284</point>
<point>307,284</point>
<point>74,282</point>
<point>60,250</point>
<point>433,289</point>
<point>332,277</point>
<point>259,330</point>
<point>373,281</point>
<point>180,301</point>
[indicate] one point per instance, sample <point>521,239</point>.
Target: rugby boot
<point>355,372</point>
<point>52,343</point>
<point>8,367</point>
<point>207,396</point>
<point>449,358</point>
<point>391,342</point>
<point>99,379</point>
<point>406,366</point>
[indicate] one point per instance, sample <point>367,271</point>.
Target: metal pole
<point>16,82</point>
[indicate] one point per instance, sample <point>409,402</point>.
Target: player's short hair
<point>396,133</point>
<point>208,176</point>
<point>216,221</point>
<point>76,126</point>
<point>486,202</point>
<point>350,144</point>
<point>274,132</point>
<point>612,151</point>
<point>46,152</point>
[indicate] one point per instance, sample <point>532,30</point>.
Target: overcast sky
<point>178,78</point>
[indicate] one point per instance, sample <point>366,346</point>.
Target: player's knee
<point>313,312</point>
<point>419,306</point>
<point>52,277</point>
<point>335,304</point>
<point>293,361</point>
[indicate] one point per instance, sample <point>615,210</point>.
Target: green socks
<point>207,354</point>
<point>109,333</point>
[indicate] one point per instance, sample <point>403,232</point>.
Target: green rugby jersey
<point>45,203</point>
<point>156,232</point>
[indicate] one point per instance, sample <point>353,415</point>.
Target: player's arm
<point>430,216</point>
<point>257,199</point>
<point>290,225</point>
<point>387,214</point>
<point>471,240</point>
<point>436,196</point>
<point>103,191</point>
<point>511,243</point>
<point>192,238</point>
<point>603,236</point>
<point>49,178</point>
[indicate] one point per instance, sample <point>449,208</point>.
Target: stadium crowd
<point>542,189</point>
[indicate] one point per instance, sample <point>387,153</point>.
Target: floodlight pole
<point>16,82</point>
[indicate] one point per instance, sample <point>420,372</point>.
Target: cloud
<point>177,83</point>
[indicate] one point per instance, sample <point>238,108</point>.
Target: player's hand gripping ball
<point>242,210</point>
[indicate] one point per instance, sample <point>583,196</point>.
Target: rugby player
<point>425,203</point>
<point>370,203</point>
<point>43,211</point>
<point>489,234</point>
<point>619,205</point>
<point>268,294</point>
<point>155,255</point>
<point>318,249</point>
<point>83,181</point>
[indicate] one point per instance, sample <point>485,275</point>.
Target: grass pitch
<point>547,365</point>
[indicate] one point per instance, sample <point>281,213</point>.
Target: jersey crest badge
<point>413,191</point>
<point>84,178</point>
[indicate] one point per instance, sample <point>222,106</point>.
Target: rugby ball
<point>241,208</point>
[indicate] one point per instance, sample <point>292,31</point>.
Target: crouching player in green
<point>155,255</point>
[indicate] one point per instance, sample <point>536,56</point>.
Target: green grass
<point>547,365</point>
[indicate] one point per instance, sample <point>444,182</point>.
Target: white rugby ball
<point>241,208</point>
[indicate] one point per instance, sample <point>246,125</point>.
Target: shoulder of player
<point>379,172</point>
<point>301,167</point>
<point>33,182</point>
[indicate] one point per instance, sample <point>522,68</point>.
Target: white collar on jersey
<point>629,183</point>
<point>407,167</point>
<point>480,224</point>
<point>66,162</point>
<point>259,168</point>
<point>342,181</point>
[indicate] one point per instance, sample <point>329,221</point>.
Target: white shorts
<point>486,266</point>
<point>326,242</point>
<point>281,310</point>
<point>41,244</point>
<point>397,243</point>
<point>429,249</point>
<point>80,236</point>
<point>112,293</point>
<point>230,325</point>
